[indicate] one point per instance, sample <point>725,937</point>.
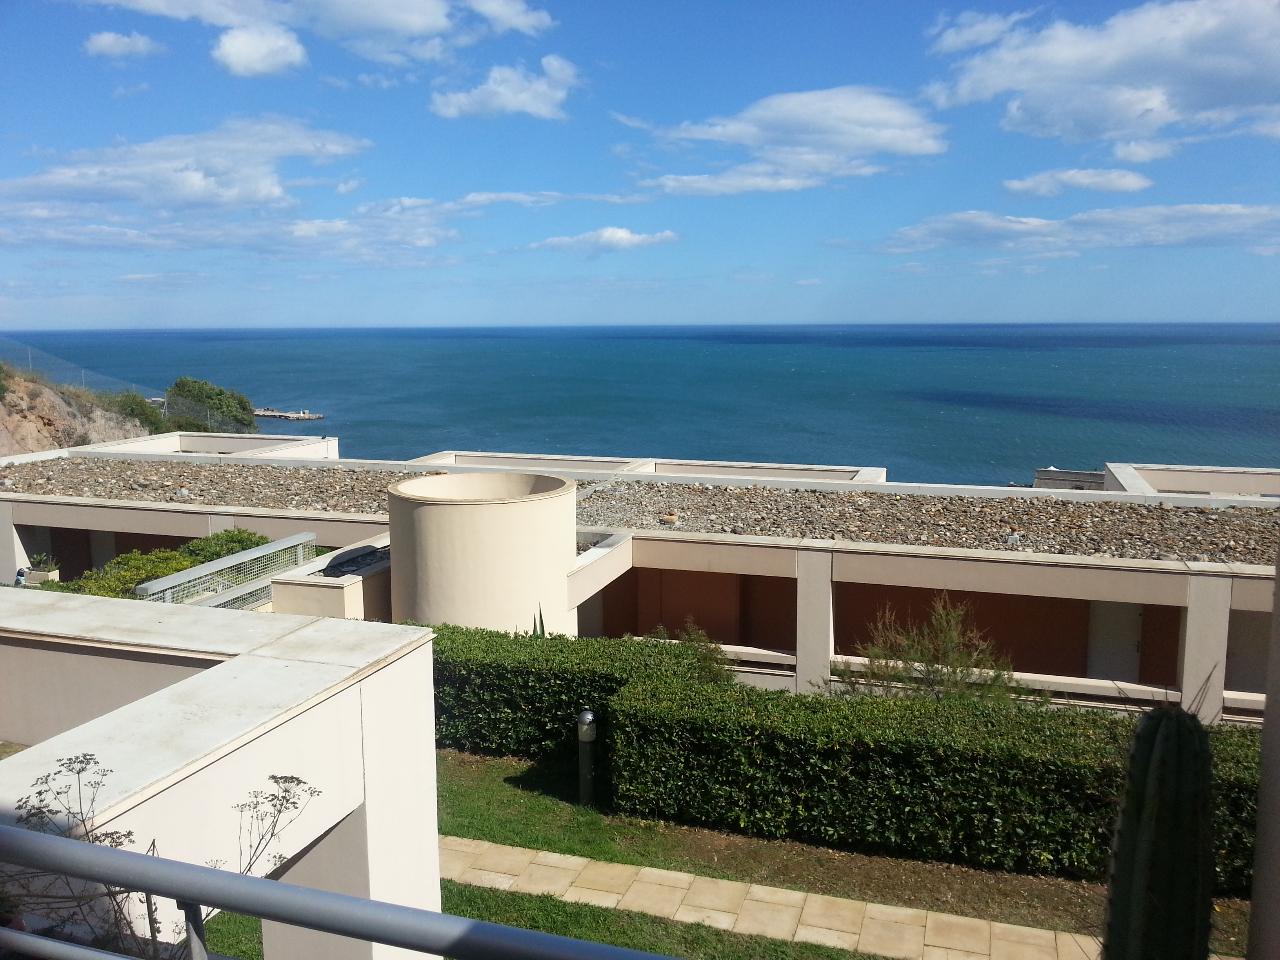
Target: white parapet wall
<point>484,550</point>
<point>193,709</point>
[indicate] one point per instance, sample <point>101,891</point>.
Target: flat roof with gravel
<point>1033,524</point>
<point>1040,524</point>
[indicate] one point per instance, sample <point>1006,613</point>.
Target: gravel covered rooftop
<point>1041,524</point>
<point>332,489</point>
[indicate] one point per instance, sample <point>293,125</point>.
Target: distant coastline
<point>982,403</point>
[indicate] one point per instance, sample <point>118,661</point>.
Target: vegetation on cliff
<point>38,414</point>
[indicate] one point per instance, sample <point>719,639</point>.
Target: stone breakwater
<point>333,490</point>
<point>1039,524</point>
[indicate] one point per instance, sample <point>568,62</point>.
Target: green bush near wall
<point>1237,770</point>
<point>519,695</point>
<point>988,784</point>
<point>120,576</point>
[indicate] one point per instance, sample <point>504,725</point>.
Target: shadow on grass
<point>555,776</point>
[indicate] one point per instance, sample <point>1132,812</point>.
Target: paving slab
<point>833,913</point>
<point>767,920</point>
<point>957,933</point>
<point>1009,931</point>
<point>791,898</point>
<point>597,898</point>
<point>657,899</point>
<point>610,877</point>
<point>512,860</point>
<point>668,878</point>
<point>907,915</point>
<point>889,939</point>
<point>565,860</point>
<point>726,895</point>
<point>486,878</point>
<point>453,863</point>
<point>541,878</point>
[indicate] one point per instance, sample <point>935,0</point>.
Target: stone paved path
<point>751,908</point>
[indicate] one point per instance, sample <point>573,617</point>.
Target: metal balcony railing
<point>194,887</point>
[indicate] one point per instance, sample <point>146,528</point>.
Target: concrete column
<point>388,848</point>
<point>815,625</point>
<point>1202,660</point>
<point>1264,918</point>
<point>102,546</point>
<point>13,555</point>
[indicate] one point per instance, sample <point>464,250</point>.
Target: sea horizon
<point>953,402</point>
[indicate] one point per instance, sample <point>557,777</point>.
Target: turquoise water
<point>931,403</point>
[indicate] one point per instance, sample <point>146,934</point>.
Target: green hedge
<point>994,785</point>
<point>1237,770</point>
<point>519,695</point>
<point>988,784</point>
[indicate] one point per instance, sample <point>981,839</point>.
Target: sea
<point>954,403</point>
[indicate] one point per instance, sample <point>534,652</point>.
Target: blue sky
<point>478,162</point>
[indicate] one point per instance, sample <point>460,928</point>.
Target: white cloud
<point>235,164</point>
<point>393,32</point>
<point>130,90</point>
<point>1198,66</point>
<point>514,90</point>
<point>808,282</point>
<point>258,50</point>
<point>800,140</point>
<point>504,15</point>
<point>349,186</point>
<point>605,240</point>
<point>119,45</point>
<point>1182,225</point>
<point>1050,183</point>
<point>1143,151</point>
<point>972,29</point>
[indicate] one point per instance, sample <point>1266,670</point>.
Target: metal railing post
<point>195,929</point>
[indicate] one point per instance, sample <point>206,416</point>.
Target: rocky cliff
<point>39,416</point>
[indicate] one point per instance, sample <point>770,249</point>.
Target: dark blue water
<point>931,403</point>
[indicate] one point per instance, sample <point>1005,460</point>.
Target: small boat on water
<point>274,414</point>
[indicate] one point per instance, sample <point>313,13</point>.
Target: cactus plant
<point>1160,898</point>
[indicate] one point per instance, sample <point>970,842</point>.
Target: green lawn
<point>235,936</point>
<point>241,937</point>
<point>515,802</point>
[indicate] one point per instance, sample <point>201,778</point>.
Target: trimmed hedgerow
<point>994,784</point>
<point>989,784</point>
<point>519,695</point>
<point>1237,768</point>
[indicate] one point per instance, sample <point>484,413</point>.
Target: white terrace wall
<point>346,706</point>
<point>47,688</point>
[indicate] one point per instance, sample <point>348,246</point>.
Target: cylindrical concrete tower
<point>484,550</point>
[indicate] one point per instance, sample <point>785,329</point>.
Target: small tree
<point>65,801</point>
<point>944,655</point>
<point>200,405</point>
